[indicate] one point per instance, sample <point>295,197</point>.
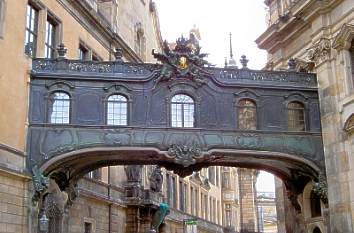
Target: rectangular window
<point>174,192</point>
<point>228,220</point>
<point>95,174</point>
<point>169,190</point>
<point>31,31</point>
<point>83,53</point>
<point>88,227</point>
<point>50,44</point>
<point>182,196</point>
<point>226,180</point>
<point>2,17</point>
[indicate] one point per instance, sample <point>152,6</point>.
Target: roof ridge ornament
<point>182,59</point>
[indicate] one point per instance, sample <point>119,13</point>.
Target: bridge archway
<point>238,117</point>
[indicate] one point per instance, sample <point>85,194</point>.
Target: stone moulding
<point>184,155</point>
<point>121,71</point>
<point>320,51</point>
<point>344,37</point>
<point>349,124</point>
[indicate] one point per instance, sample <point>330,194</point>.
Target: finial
<point>292,64</point>
<point>225,62</point>
<point>118,54</point>
<point>244,61</point>
<point>61,50</point>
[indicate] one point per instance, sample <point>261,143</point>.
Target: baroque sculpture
<point>184,60</point>
<point>156,179</point>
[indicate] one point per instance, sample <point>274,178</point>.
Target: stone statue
<point>156,179</point>
<point>54,205</point>
<point>40,183</point>
<point>133,172</point>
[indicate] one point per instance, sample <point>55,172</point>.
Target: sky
<point>215,20</point>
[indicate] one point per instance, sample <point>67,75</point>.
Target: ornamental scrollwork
<point>320,51</point>
<point>185,155</point>
<point>320,188</point>
<point>40,183</point>
<point>183,61</point>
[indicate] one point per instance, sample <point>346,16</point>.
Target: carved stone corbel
<point>320,51</point>
<point>320,188</point>
<point>40,184</point>
<point>185,155</point>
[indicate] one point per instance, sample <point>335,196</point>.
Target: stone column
<point>248,206</point>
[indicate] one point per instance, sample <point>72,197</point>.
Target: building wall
<point>14,201</point>
<point>317,25</point>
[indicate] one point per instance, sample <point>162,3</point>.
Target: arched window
<point>60,108</point>
<point>296,116</point>
<point>317,230</point>
<point>182,111</point>
<point>315,205</point>
<point>117,110</point>
<point>247,114</point>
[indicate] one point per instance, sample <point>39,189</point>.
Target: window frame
<point>29,31</point>
<point>239,107</point>
<point>51,45</point>
<point>51,101</point>
<point>182,111</point>
<point>2,17</point>
<point>127,108</point>
<point>288,109</point>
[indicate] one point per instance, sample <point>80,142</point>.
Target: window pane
<point>31,30</point>
<point>182,111</point>
<point>117,110</point>
<point>247,115</point>
<point>60,108</point>
<point>49,40</point>
<point>296,116</point>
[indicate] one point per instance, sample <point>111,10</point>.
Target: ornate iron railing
<point>117,70</point>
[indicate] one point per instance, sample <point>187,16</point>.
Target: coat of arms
<point>183,60</point>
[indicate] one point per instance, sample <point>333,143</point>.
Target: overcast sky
<point>215,20</point>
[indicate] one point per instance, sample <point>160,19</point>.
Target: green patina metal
<point>159,216</point>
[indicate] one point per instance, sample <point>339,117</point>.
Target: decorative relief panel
<point>320,51</point>
<point>58,141</point>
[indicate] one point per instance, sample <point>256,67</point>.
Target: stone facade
<point>319,35</point>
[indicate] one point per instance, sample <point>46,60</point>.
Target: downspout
<point>109,199</point>
<point>240,195</point>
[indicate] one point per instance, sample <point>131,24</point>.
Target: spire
<point>232,61</point>
<point>231,55</point>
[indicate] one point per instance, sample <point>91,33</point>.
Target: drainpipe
<point>240,197</point>
<point>109,199</point>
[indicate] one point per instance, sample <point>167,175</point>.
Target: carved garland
<point>320,51</point>
<point>185,155</point>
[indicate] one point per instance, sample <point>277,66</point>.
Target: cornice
<point>301,14</point>
<point>344,37</point>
